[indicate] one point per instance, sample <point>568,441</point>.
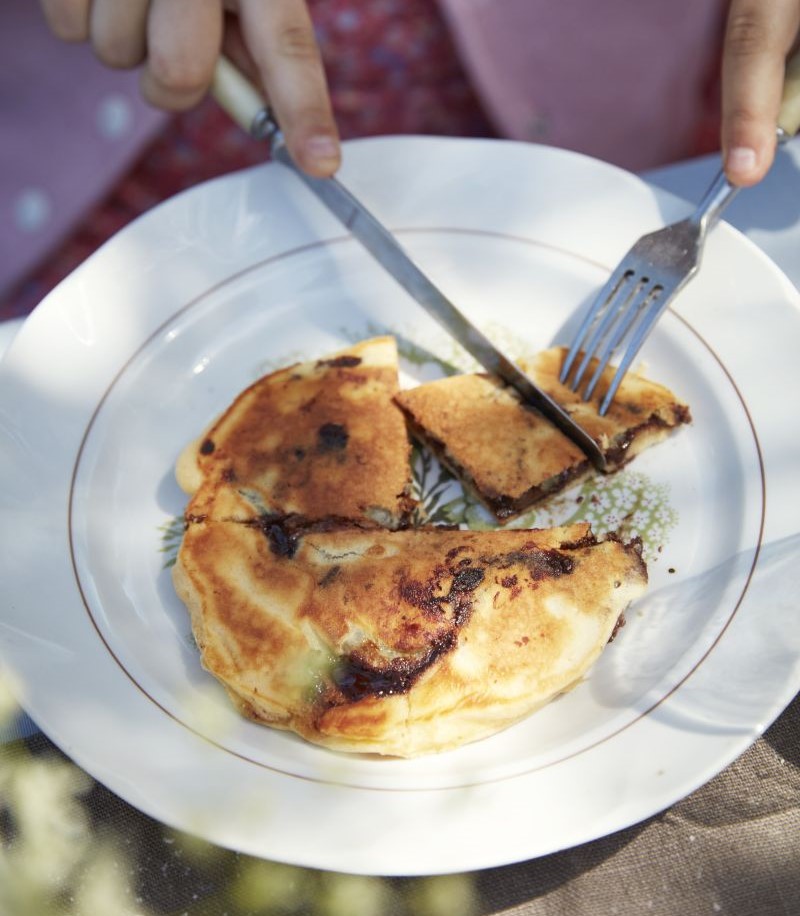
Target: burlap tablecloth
<point>732,847</point>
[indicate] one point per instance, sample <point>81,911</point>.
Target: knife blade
<point>248,109</point>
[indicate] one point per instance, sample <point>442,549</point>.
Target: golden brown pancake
<point>319,616</point>
<point>316,439</point>
<point>509,455</point>
<point>399,642</point>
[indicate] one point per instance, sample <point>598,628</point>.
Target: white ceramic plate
<point>154,334</point>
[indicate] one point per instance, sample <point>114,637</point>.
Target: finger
<point>183,43</point>
<point>119,31</point>
<point>280,38</point>
<point>758,37</point>
<point>67,19</point>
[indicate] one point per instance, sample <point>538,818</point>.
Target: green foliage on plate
<point>171,536</point>
<point>626,503</point>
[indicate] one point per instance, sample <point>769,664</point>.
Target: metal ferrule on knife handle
<point>242,102</point>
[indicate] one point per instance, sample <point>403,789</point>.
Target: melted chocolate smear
<point>467,580</point>
<point>341,362</point>
<point>281,542</point>
<point>357,679</point>
<point>503,507</point>
<point>454,552</point>
<point>330,576</point>
<point>332,437</point>
<point>282,537</point>
<point>420,595</point>
<point>617,626</point>
<point>549,564</point>
<point>541,563</point>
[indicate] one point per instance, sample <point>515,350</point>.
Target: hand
<point>179,41</point>
<point>759,36</point>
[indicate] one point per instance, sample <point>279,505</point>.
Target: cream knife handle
<point>236,95</point>
<point>789,116</point>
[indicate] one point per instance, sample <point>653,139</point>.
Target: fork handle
<point>719,194</point>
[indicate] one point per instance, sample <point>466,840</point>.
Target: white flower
<point>8,705</point>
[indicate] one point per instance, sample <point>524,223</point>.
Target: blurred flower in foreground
<point>344,895</point>
<point>8,705</point>
<point>48,832</point>
<point>269,887</point>
<point>51,864</point>
<point>55,862</point>
<point>443,895</point>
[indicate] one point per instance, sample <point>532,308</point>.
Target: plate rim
<point>75,752</point>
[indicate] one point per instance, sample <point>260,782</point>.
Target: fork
<point>653,272</point>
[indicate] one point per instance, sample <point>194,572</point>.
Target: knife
<point>244,104</point>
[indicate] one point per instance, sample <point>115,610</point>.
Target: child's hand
<point>178,43</point>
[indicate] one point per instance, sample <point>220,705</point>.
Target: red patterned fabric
<point>392,69</point>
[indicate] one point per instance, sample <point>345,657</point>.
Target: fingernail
<point>323,149</point>
<point>742,160</point>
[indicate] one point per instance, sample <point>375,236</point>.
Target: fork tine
<point>673,254</point>
<point>612,324</point>
<point>601,302</point>
<point>645,320</point>
<point>646,294</point>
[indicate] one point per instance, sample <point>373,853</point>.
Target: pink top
<point>621,80</point>
<point>68,129</point>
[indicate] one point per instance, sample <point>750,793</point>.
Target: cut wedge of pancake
<point>316,439</point>
<point>399,642</point>
<point>510,456</point>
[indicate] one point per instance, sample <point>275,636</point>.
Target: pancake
<point>508,454</point>
<point>316,439</point>
<point>403,642</point>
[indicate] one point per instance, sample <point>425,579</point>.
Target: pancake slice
<point>400,642</point>
<point>509,455</point>
<point>316,439</point>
